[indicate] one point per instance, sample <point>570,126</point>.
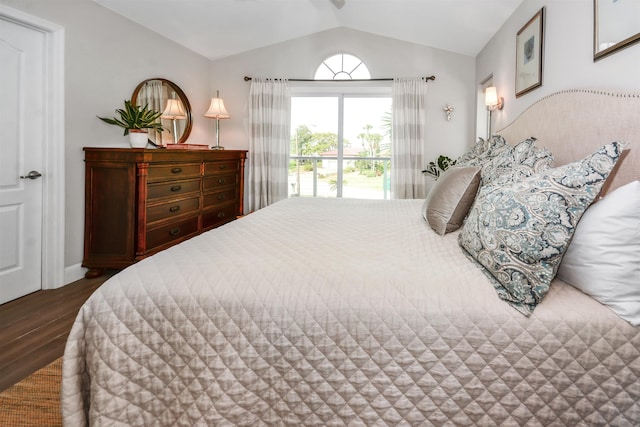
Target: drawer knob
<point>176,188</point>
<point>220,197</point>
<point>176,170</point>
<point>223,167</point>
<point>174,208</point>
<point>221,181</point>
<point>174,231</point>
<point>220,214</point>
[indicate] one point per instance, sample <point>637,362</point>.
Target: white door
<point>22,106</point>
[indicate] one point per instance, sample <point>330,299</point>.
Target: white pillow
<point>603,259</point>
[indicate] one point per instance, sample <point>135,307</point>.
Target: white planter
<point>138,139</point>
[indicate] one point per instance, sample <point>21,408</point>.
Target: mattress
<point>339,312</point>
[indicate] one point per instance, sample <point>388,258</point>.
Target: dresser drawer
<point>138,202</point>
<point>212,168</point>
<point>166,172</point>
<point>219,181</point>
<point>168,233</point>
<point>218,216</point>
<point>173,208</point>
<point>225,196</point>
<point>173,188</point>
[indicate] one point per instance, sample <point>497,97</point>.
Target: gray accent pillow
<point>519,232</point>
<point>450,198</point>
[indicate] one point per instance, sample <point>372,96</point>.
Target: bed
<point>355,312</point>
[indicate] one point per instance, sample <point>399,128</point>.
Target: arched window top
<point>342,67</point>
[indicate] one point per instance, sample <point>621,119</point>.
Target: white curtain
<point>408,141</point>
<point>269,141</point>
<point>154,95</point>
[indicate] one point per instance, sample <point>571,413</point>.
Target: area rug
<point>34,401</point>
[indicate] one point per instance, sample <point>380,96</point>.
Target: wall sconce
<point>491,99</point>
<point>493,103</point>
<point>217,111</point>
<point>173,112</point>
<point>448,110</point>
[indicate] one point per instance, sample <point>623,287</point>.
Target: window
<point>340,145</point>
<point>342,67</point>
<point>341,139</point>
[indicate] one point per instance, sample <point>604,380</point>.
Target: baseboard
<point>73,273</point>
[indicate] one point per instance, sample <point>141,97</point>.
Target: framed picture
<point>529,50</point>
<point>616,25</point>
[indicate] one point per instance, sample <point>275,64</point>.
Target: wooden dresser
<point>139,201</point>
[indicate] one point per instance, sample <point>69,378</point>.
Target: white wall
<point>385,57</point>
<point>102,68</point>
<point>568,57</point>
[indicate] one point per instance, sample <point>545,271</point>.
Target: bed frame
<point>578,123</point>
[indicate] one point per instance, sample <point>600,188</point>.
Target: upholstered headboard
<point>574,123</point>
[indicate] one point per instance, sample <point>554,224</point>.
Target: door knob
<point>31,175</point>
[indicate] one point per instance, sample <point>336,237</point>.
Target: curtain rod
<point>246,79</point>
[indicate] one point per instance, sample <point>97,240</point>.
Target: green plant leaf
<point>445,162</point>
<point>442,163</point>
<point>135,117</point>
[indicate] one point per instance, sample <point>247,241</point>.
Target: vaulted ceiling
<point>220,28</point>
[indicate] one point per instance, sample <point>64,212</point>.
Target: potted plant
<point>135,121</point>
<point>434,169</point>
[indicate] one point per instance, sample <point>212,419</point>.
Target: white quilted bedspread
<point>339,312</point>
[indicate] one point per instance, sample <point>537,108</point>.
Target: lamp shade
<point>217,110</point>
<point>174,110</point>
<point>490,96</point>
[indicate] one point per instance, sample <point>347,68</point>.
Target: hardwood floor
<point>34,328</point>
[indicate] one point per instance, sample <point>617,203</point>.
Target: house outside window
<point>340,134</point>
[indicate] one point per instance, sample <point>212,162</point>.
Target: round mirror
<point>165,96</point>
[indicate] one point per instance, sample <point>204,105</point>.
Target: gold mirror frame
<point>614,27</point>
<point>183,126</point>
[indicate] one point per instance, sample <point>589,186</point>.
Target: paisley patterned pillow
<point>494,143</point>
<point>493,156</point>
<point>498,165</point>
<point>539,160</point>
<point>533,157</point>
<point>525,159</point>
<point>519,232</point>
<point>482,151</point>
<point>523,150</point>
<point>473,153</point>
